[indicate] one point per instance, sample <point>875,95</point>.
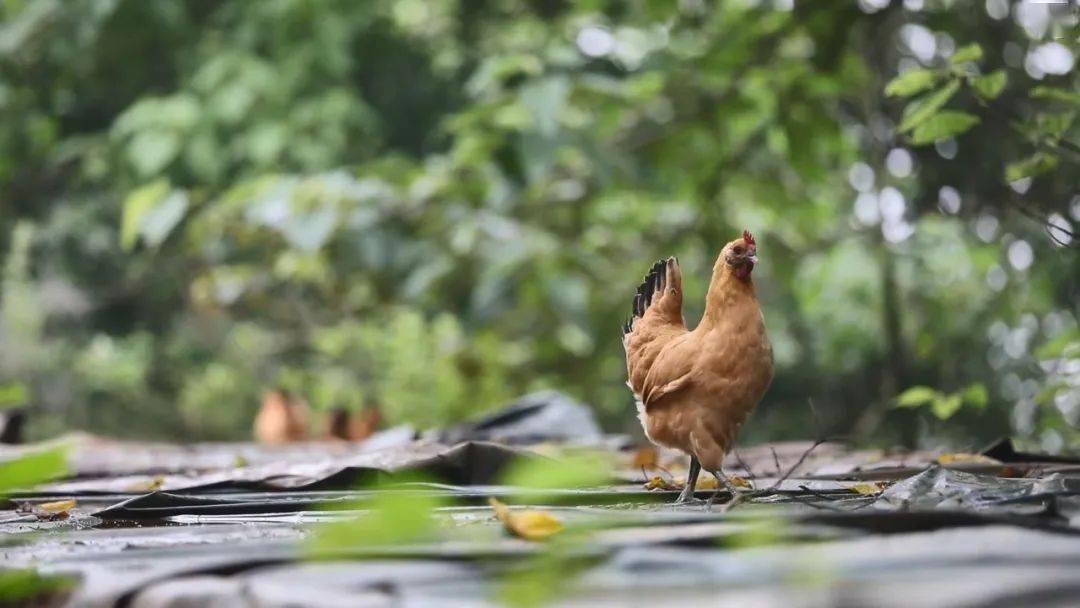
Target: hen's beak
<point>752,258</point>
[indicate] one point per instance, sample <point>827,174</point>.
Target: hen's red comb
<point>749,238</point>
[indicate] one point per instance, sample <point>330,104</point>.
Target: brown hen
<point>695,389</point>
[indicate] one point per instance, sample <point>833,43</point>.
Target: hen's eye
<point>738,249</point>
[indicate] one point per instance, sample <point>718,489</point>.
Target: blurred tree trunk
<point>894,370</point>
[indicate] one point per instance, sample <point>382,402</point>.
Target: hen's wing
<point>657,320</point>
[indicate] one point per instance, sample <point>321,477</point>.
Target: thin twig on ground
<point>798,463</point>
<point>743,464</point>
<point>740,497</point>
<point>816,493</point>
<point>817,505</point>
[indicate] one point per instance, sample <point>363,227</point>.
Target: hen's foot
<point>692,501</point>
<point>686,496</point>
<point>737,496</point>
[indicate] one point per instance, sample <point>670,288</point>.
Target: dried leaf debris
<point>528,524</point>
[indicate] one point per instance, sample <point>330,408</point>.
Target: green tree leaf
<point>137,205</point>
<point>152,150</point>
<point>916,396</point>
<point>970,52</point>
<point>976,395</point>
<point>310,231</point>
<point>942,125</point>
<point>1062,345</point>
<point>911,82</point>
<point>944,407</point>
<point>1036,164</point>
<point>989,86</point>
<point>1054,124</point>
<point>157,223</point>
<point>922,109</point>
<point>1055,94</point>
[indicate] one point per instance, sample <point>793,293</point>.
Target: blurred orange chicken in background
<point>283,418</point>
<point>353,426</point>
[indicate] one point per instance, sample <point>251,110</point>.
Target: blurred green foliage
<point>393,516</point>
<point>26,471</point>
<point>28,588</point>
<point>436,205</point>
<point>567,472</point>
<point>12,394</point>
<point>547,576</point>
<point>943,405</point>
<point>553,570</point>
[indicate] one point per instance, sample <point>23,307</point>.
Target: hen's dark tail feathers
<point>654,283</point>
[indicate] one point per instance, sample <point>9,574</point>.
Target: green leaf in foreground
<point>911,82</point>
<point>32,469</point>
<point>552,572</point>
<point>916,396</point>
<point>989,86</point>
<point>543,578</point>
<point>1036,164</point>
<point>969,52</point>
<point>926,106</point>
<point>28,588</point>
<point>565,472</point>
<point>392,516</point>
<point>943,125</point>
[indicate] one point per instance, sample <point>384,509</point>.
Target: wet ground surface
<point>234,524</point>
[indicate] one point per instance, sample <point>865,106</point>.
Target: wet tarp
<point>938,487</point>
<point>534,418</point>
<point>870,571</point>
<point>472,462</point>
<point>230,524</point>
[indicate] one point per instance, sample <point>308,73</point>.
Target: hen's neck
<point>726,291</point>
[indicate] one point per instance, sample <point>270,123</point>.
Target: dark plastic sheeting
<point>1003,531</point>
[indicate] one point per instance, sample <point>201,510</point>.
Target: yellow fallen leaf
<point>963,458</point>
<point>659,483</point>
<point>149,485</point>
<point>57,506</point>
<point>712,483</point>
<point>530,525</point>
<point>705,482</point>
<point>740,482</point>
<point>53,510</point>
<point>868,488</point>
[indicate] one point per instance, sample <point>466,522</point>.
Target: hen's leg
<point>691,481</point>
<point>736,495</point>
